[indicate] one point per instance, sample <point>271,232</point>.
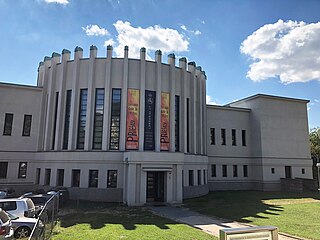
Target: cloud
<point>289,50</point>
<point>63,2</point>
<point>95,30</point>
<point>317,100</point>
<point>209,100</point>
<point>196,32</point>
<point>109,42</point>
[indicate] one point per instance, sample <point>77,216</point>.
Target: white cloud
<point>203,22</point>
<point>152,38</point>
<point>289,50</point>
<point>109,42</point>
<point>63,2</point>
<point>317,100</point>
<point>209,100</point>
<point>196,32</point>
<point>95,30</point>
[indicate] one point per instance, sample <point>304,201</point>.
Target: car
<point>63,194</point>
<point>7,193</point>
<point>39,200</point>
<point>6,230</point>
<point>22,226</point>
<point>21,207</point>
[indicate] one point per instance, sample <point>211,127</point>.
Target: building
<point>139,131</point>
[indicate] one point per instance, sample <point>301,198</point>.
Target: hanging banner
<point>132,133</point>
<point>150,100</point>
<point>165,122</point>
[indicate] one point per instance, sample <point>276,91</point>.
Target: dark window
<point>223,136</point>
<point>188,127</point>
<point>67,120</point>
<point>213,170</point>
<point>234,137</point>
<point>303,171</point>
<point>288,172</point>
<point>47,176</point>
<point>75,178</point>
<point>8,120</point>
<point>22,173</point>
<point>112,179</point>
<point>98,119</point>
<point>235,171</point>
<point>244,140</point>
<point>27,125</point>
<point>191,179</point>
<point>212,136</point>
<point>245,170</point>
<point>3,169</point>
<point>204,176</point>
<point>115,119</point>
<point>55,121</point>
<point>38,174</point>
<point>93,178</point>
<point>177,123</point>
<point>8,206</point>
<point>224,171</point>
<point>60,177</point>
<point>272,170</point>
<point>182,178</point>
<point>82,121</point>
<point>199,177</point>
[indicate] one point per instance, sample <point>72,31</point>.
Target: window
<point>112,179</point>
<point>82,121</point>
<point>22,173</point>
<point>191,180</point>
<point>27,125</point>
<point>75,181</point>
<point>234,137</point>
<point>245,170</point>
<point>93,178</point>
<point>204,176</point>
<point>224,171</point>
<point>177,123</point>
<point>223,136</point>
<point>244,141</point>
<point>3,169</point>
<point>272,170</point>
<point>288,172</point>
<point>8,120</point>
<point>38,173</point>
<point>55,121</point>
<point>303,171</point>
<point>199,177</point>
<point>98,119</point>
<point>115,119</point>
<point>212,136</point>
<point>188,125</point>
<point>8,206</point>
<point>213,170</point>
<point>60,177</point>
<point>67,120</point>
<point>235,171</point>
<point>47,176</point>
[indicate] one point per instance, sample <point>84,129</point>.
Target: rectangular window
<point>177,123</point>
<point>93,178</point>
<point>212,136</point>
<point>55,120</point>
<point>234,137</point>
<point>224,171</point>
<point>75,180</point>
<point>98,119</point>
<point>204,176</point>
<point>235,171</point>
<point>245,170</point>
<point>188,127</point>
<point>288,172</point>
<point>38,173</point>
<point>67,120</point>
<point>8,120</point>
<point>191,179</point>
<point>22,173</point>
<point>115,119</point>
<point>60,177</point>
<point>303,171</point>
<point>199,177</point>
<point>272,170</point>
<point>223,136</point>
<point>47,176</point>
<point>244,140</point>
<point>149,114</point>
<point>3,169</point>
<point>82,121</point>
<point>213,170</point>
<point>27,125</point>
<point>112,179</point>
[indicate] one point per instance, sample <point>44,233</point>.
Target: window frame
<point>22,173</point>
<point>26,130</point>
<point>8,123</point>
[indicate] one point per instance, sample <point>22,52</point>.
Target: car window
<point>8,206</point>
<point>4,217</point>
<point>3,194</point>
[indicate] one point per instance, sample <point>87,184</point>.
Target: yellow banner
<point>132,134</point>
<point>165,122</point>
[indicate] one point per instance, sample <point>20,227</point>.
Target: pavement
<point>210,225</point>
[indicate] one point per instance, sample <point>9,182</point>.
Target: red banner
<point>165,122</point>
<point>132,134</point>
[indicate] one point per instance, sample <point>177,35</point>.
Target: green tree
<point>315,149</point>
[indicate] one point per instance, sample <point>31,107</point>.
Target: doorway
<point>288,172</point>
<point>155,186</point>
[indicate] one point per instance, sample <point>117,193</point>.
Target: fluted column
<point>142,97</point>
<point>158,58</point>
<point>172,84</point>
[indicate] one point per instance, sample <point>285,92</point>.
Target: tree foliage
<point>315,149</point>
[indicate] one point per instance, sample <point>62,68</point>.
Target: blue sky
<point>245,47</point>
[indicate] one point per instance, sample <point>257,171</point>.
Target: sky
<point>245,47</point>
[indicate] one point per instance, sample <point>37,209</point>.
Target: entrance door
<point>288,171</point>
<point>155,186</point>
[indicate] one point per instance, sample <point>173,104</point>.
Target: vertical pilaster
<point>204,107</point>
<point>183,107</point>
<point>199,110</point>
<point>158,58</point>
<point>193,117</point>
<point>172,63</point>
<point>142,97</point>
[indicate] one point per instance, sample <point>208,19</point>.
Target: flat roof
<point>14,85</point>
<point>229,108</point>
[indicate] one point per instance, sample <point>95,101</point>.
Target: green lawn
<point>119,222</point>
<point>294,213</point>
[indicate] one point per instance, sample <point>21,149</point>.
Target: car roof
<point>13,200</point>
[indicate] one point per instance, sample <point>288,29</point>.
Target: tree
<point>315,149</point>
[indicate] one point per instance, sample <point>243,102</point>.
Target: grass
<point>111,221</point>
<point>293,213</point>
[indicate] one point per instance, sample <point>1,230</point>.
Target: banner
<point>165,122</point>
<point>150,100</point>
<point>132,133</point>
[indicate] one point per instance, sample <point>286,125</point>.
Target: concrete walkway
<point>211,225</point>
